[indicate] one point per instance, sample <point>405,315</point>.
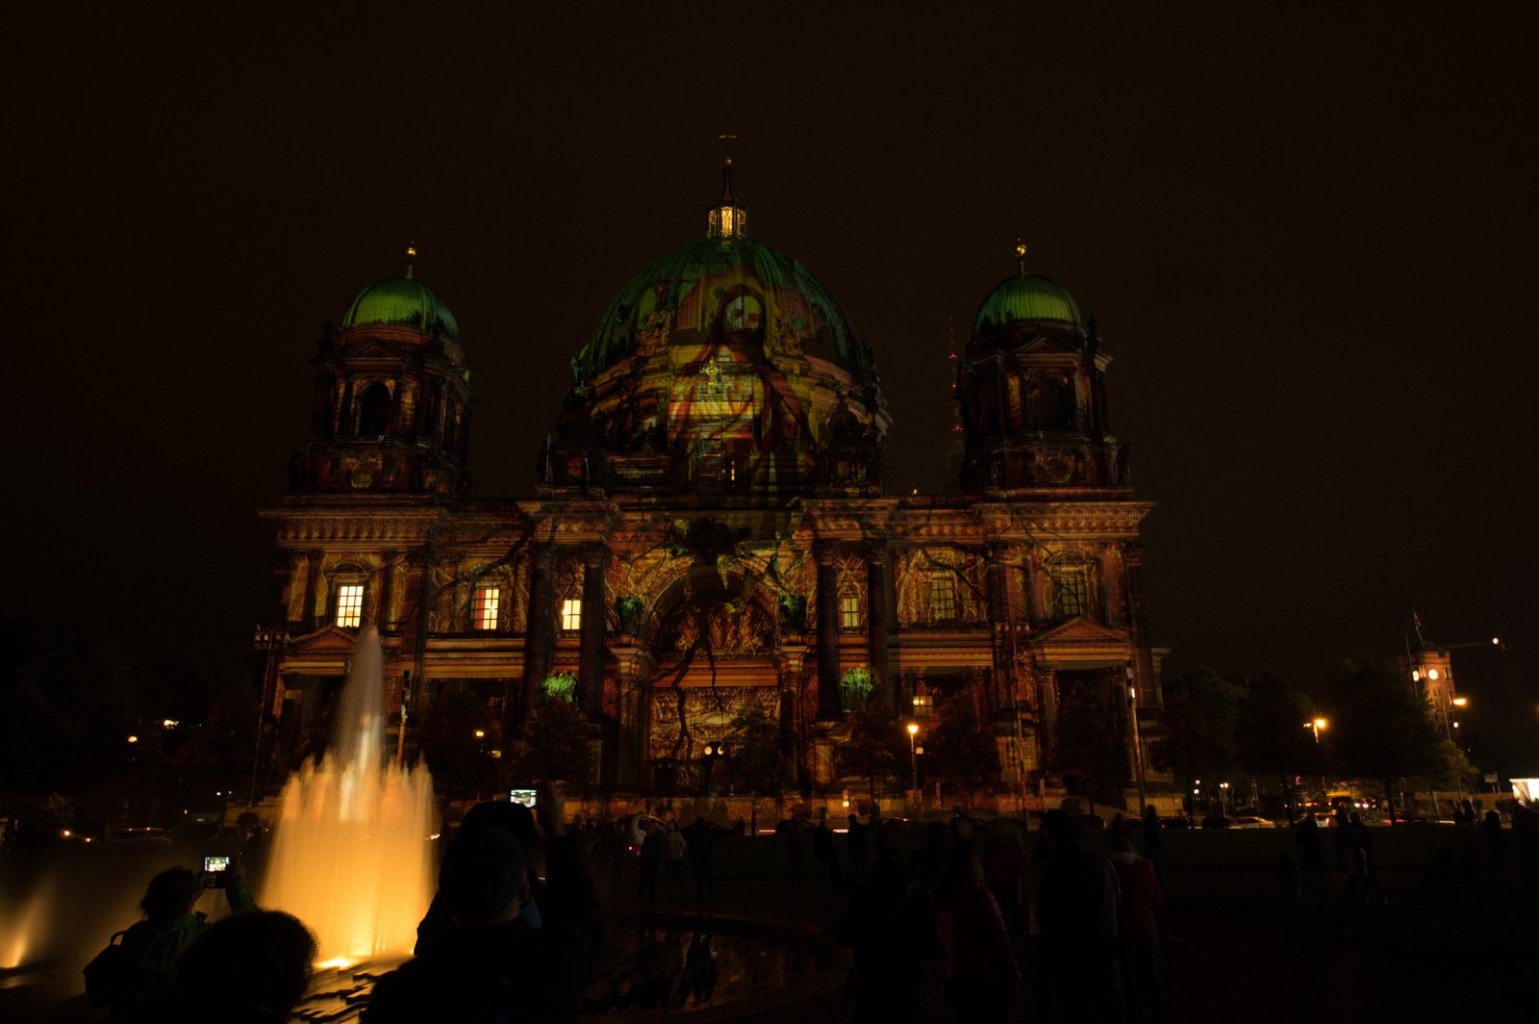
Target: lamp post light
<point>713,752</point>
<point>1317,725</point>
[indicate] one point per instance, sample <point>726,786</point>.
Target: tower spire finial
<point>727,218</point>
<point>411,257</point>
<point>1020,254</point>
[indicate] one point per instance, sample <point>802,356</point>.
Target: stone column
<point>385,617</point>
<point>1032,574</point>
<point>1113,596</point>
<point>590,666</point>
<point>634,669</point>
<point>312,586</point>
<point>1143,658</point>
<point>540,636</point>
<point>876,628</point>
<point>788,670</point>
<point>828,632</point>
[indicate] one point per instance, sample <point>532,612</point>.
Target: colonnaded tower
<point>710,541</point>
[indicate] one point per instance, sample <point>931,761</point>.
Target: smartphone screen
<point>214,865</point>
<point>522,796</point>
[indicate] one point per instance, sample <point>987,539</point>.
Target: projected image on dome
<point>723,368</point>
<point>732,414</point>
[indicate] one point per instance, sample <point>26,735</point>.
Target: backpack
<point>104,974</point>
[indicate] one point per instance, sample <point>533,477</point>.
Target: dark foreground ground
<point>1234,949</point>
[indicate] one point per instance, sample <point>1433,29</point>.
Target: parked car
<point>1251,821</point>
<point>1215,821</point>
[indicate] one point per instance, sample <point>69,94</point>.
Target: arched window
<point>374,410</point>
<point>1049,404</point>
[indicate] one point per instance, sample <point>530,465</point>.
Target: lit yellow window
<point>849,611</point>
<point>943,598</point>
<point>571,614</point>
<point>487,601</point>
<point>350,605</point>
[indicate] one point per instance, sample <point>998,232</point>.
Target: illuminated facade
<point>710,534</point>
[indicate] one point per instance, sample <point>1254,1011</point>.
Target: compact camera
<point>216,871</point>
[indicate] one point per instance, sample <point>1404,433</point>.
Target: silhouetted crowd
<point>1050,922</point>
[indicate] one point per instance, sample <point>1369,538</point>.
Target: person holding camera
<point>491,964</point>
<point>133,976</point>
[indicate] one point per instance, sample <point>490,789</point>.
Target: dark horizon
<point>1300,237</point>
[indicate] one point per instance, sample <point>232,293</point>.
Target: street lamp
<point>913,753</point>
<point>1138,743</point>
<point>1318,725</point>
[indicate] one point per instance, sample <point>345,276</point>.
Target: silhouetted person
<point>856,840</point>
<point>1286,874</point>
<point>654,854</point>
<point>795,838</point>
<point>702,851</point>
<point>890,922</point>
<point>492,965</point>
<point>1078,905</point>
<point>1525,840</point>
<point>1469,811</point>
<point>1004,868</point>
<point>1306,836</point>
<point>1138,934</point>
<point>981,972</point>
<point>1154,842</point>
<point>517,821</point>
<point>142,984</point>
<point>1496,844</point>
<point>1041,983</point>
<point>825,854</point>
<point>250,968</point>
<point>675,850</point>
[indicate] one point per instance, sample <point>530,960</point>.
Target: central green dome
<point>1023,296</point>
<point>684,293</point>
<point>402,301</point>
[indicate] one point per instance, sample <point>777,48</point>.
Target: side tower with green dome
<point>392,398</point>
<point>724,370</point>
<point>1032,394</point>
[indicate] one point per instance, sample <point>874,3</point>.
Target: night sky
<point>1306,236</point>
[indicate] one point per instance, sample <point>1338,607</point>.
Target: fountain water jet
<point>351,857</point>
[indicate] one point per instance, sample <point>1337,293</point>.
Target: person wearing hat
<point>490,963</point>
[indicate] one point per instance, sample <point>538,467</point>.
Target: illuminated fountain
<point>351,857</point>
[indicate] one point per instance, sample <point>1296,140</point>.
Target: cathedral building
<point>710,534</point>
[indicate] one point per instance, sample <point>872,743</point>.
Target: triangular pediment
<point>329,639</point>
<point>371,346</point>
<point>1046,344</point>
<point>1079,631</point>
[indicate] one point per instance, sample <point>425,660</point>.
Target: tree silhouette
<point>1383,728</point>
<point>1088,750</point>
<point>1270,738</point>
<point>555,745</point>
<point>1201,708</point>
<point>956,751</point>
<point>878,745</point>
